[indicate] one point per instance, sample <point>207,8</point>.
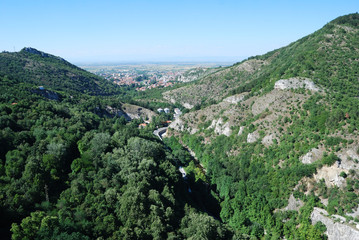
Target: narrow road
<point>159,132</point>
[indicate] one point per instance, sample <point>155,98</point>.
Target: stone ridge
<point>335,230</point>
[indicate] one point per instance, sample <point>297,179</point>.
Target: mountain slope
<point>325,56</point>
<point>71,170</point>
<point>42,69</point>
<point>282,126</point>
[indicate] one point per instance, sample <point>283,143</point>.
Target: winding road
<point>159,132</point>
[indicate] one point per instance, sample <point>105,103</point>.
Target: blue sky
<point>138,30</point>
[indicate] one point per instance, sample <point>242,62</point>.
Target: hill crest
<point>39,68</point>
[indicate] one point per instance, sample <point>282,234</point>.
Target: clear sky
<point>162,30</point>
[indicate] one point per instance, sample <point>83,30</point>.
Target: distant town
<point>148,76</point>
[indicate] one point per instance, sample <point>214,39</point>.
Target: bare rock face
<point>177,125</point>
<point>241,129</point>
<point>293,204</point>
<point>351,153</point>
<point>274,100</point>
<point>234,99</point>
<point>295,83</point>
<point>136,112</point>
<point>268,140</point>
<point>348,158</point>
<point>336,230</point>
<point>221,128</point>
<point>324,201</point>
<point>331,175</point>
<point>187,105</point>
<point>312,156</point>
<point>252,137</point>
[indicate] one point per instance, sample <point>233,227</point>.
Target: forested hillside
<point>43,69</point>
<point>71,170</point>
<point>278,136</point>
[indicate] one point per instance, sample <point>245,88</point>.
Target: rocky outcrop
<point>194,74</point>
<point>241,129</point>
<point>187,105</point>
<point>268,140</point>
<point>276,100</point>
<point>48,94</point>
<point>336,229</point>
<point>252,137</point>
<point>293,204</point>
<point>42,54</point>
<point>177,125</point>
<point>313,155</point>
<point>348,158</point>
<point>180,125</point>
<point>137,112</point>
<point>220,127</point>
<point>331,175</point>
<point>234,99</point>
<point>295,83</point>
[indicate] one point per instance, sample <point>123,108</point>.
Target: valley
<point>266,148</point>
<point>153,75</point>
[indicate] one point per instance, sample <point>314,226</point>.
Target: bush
<point>343,174</point>
<point>330,160</point>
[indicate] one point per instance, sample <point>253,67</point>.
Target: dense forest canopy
<point>70,172</point>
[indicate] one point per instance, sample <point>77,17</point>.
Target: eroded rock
<point>234,99</point>
<point>241,129</point>
<point>177,125</point>
<point>293,204</point>
<point>336,230</point>
<point>220,127</point>
<point>252,137</point>
<point>331,175</point>
<point>348,158</point>
<point>295,83</point>
<point>187,105</point>
<point>268,140</point>
<point>313,155</point>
